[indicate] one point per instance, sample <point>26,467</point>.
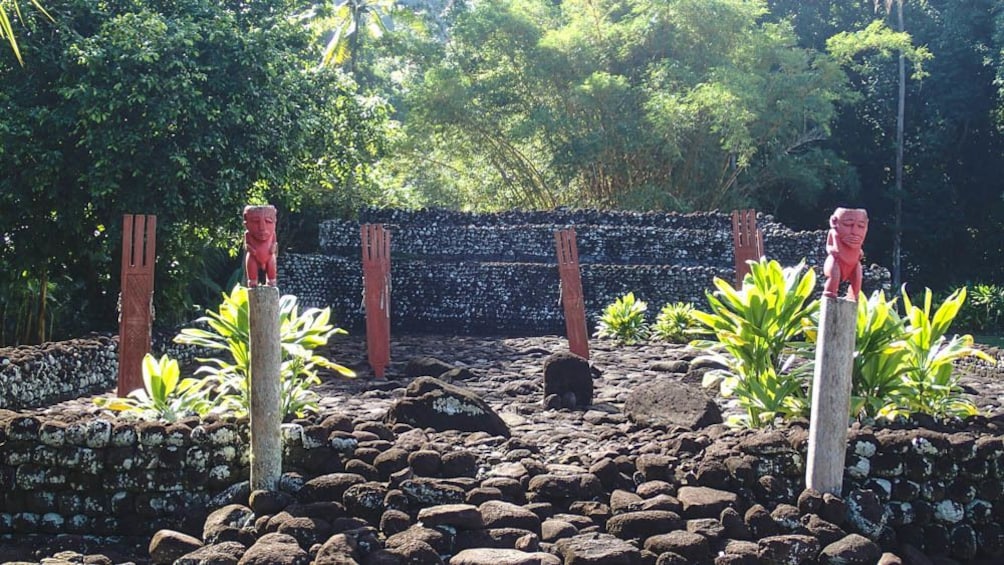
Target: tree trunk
<point>43,283</point>
<point>897,236</point>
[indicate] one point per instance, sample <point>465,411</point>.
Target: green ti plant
<point>164,396</point>
<point>300,334</point>
<point>879,356</point>
<point>757,331</point>
<point>676,323</point>
<point>624,320</point>
<point>930,384</point>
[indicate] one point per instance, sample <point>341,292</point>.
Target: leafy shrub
<point>676,323</point>
<point>624,320</point>
<point>879,357</point>
<point>164,395</point>
<point>300,334</point>
<point>930,384</point>
<point>755,331</point>
<point>984,311</point>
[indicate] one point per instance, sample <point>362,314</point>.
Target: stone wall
<point>462,273</point>
<point>41,375</point>
<point>937,490</point>
<point>103,476</point>
<point>97,476</point>
<point>33,376</point>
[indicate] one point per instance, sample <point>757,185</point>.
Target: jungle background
<point>190,109</point>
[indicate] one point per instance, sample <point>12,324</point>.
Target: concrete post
<point>266,419</point>
<point>831,395</point>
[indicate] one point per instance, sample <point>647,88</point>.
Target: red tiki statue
<point>260,244</point>
<point>848,227</point>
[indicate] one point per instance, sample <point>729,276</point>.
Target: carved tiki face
<point>851,225</point>
<point>260,222</point>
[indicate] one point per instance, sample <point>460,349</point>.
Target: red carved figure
<point>848,227</point>
<point>260,243</point>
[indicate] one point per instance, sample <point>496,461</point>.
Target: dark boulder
<point>668,403</point>
<point>432,403</point>
<point>426,367</point>
<point>565,373</point>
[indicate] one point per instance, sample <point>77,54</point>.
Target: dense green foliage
<point>983,313</point>
<point>879,357</point>
<point>226,386</point>
<point>7,29</point>
<point>676,323</point>
<point>164,396</point>
<point>189,109</point>
<point>690,104</point>
<point>953,212</point>
<point>184,109</point>
<point>764,333</point>
<point>931,384</point>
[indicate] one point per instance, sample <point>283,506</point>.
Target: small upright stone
<point>565,373</point>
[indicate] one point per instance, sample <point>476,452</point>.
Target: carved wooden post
<point>376,295</point>
<point>139,242</point>
<point>747,240</point>
<point>831,383</point>
<point>831,396</point>
<point>266,417</point>
<point>571,293</point>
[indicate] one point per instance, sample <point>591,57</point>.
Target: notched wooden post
<point>571,293</point>
<point>376,295</point>
<point>747,241</point>
<point>139,243</point>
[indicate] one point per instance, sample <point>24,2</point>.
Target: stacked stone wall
<point>455,272</point>
<point>105,477</point>
<point>111,477</point>
<point>32,376</point>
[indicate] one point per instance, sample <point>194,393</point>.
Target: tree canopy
<point>191,108</point>
<point>687,104</point>
<point>187,109</point>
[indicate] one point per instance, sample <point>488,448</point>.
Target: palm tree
<point>351,20</point>
<point>7,30</point>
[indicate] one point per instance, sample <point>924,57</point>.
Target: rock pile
<point>592,484</point>
<point>403,498</point>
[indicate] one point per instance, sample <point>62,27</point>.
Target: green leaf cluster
<point>676,323</point>
<point>756,329</point>
<point>905,364</point>
<point>877,37</point>
<point>902,364</point>
<point>624,320</point>
<point>300,334</point>
<point>984,311</point>
<point>164,396</point>
<point>879,355</point>
<point>930,383</point>
<point>7,29</point>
